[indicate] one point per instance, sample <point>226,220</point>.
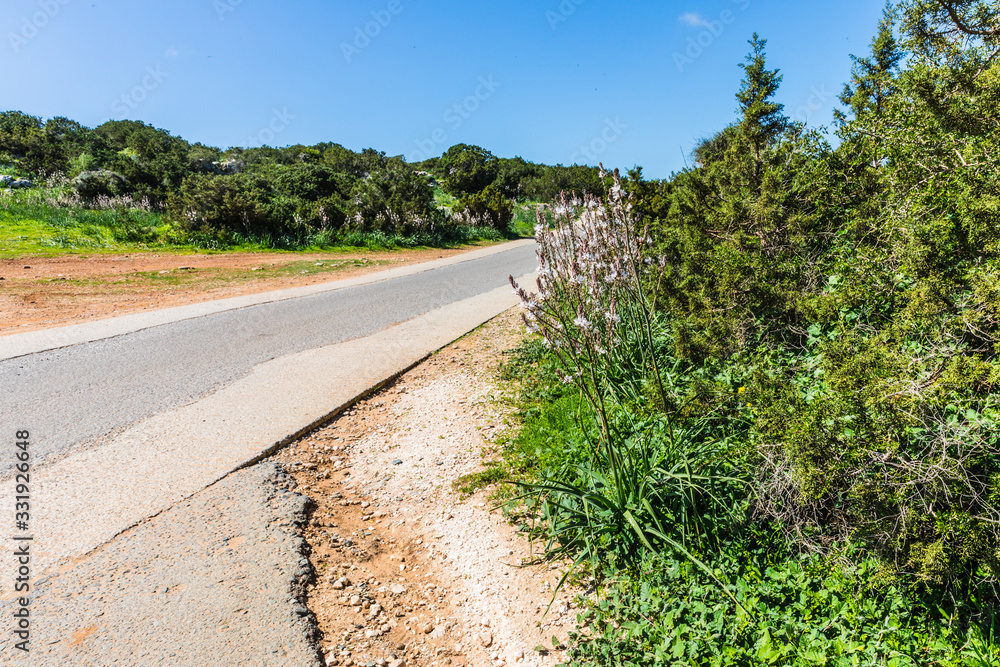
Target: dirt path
<point>43,292</point>
<point>409,571</point>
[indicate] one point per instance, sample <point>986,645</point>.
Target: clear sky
<point>554,81</point>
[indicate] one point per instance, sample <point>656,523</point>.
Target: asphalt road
<point>70,396</point>
<point>219,579</point>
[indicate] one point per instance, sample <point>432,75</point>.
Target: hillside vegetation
<point>762,407</point>
<point>127,184</point>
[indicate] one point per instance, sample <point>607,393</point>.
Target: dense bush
<point>853,292</point>
<point>788,451</point>
<point>489,207</point>
<point>467,170</point>
<point>290,195</point>
<point>392,196</point>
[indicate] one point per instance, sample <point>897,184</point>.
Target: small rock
<point>429,629</point>
<point>486,638</point>
<point>397,462</point>
<point>356,601</point>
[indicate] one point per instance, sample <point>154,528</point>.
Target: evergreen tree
<point>873,79</point>
<point>762,118</point>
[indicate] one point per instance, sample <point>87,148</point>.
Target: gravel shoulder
<point>408,570</point>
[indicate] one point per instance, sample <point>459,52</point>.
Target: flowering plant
<point>591,307</point>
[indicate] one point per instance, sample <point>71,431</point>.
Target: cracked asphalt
<point>157,539</point>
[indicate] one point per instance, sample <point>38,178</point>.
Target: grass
<point>525,219</point>
<point>47,231</point>
<point>32,225</point>
<point>525,214</point>
<point>444,200</point>
<point>494,473</point>
<point>758,601</point>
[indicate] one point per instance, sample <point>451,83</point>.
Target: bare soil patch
<point>409,571</point>
<point>44,292</point>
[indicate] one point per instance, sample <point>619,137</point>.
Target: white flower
<point>583,323</point>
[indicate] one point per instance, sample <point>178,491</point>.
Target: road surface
<point>154,538</point>
<point>69,396</point>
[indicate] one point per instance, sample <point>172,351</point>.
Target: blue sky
<point>554,81</point>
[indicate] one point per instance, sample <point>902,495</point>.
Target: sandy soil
<point>40,293</point>
<point>410,571</point>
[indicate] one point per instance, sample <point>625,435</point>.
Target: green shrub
<point>467,170</point>
<point>788,611</point>
<point>489,208</point>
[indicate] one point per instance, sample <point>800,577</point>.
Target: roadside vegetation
<point>125,186</point>
<point>759,410</point>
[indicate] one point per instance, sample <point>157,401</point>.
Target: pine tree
<point>762,119</point>
<point>873,79</point>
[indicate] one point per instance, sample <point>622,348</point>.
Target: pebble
<point>486,638</point>
<point>397,462</point>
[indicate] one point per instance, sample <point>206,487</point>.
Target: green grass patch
<point>494,473</point>
<point>33,224</point>
<point>525,219</point>
<point>759,601</point>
